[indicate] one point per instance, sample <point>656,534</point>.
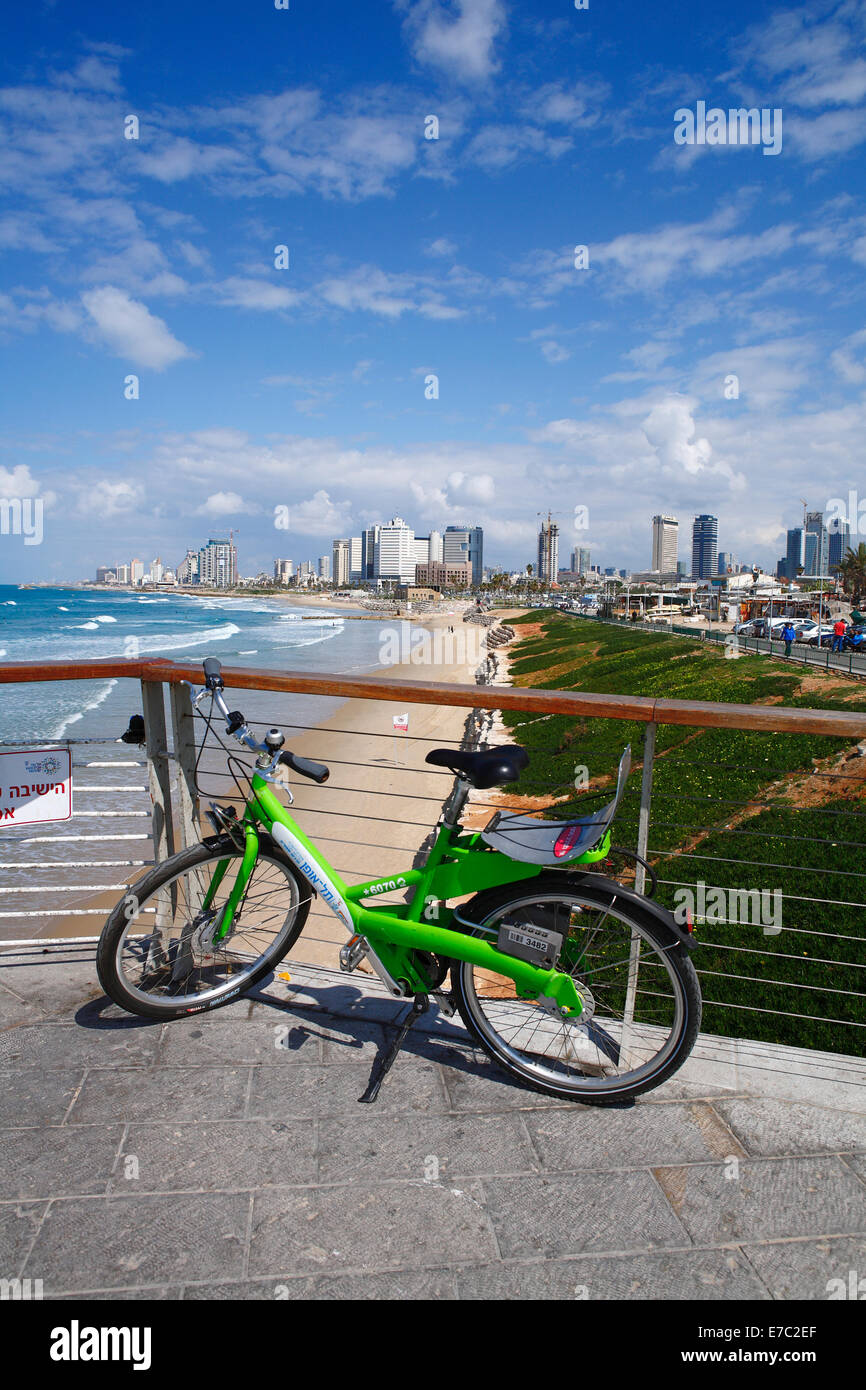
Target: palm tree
<point>852,571</point>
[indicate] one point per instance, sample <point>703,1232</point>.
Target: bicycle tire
<point>524,1065</point>
<point>170,871</point>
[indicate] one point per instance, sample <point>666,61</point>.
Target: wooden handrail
<point>577,703</point>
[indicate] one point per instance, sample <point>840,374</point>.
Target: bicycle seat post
<point>456,801</point>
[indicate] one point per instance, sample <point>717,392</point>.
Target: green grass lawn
<point>699,829</point>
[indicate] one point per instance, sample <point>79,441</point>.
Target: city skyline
<point>356,287</point>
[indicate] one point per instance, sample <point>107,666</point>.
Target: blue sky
<point>305,387</point>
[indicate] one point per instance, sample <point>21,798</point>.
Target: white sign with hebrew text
<point>35,785</point>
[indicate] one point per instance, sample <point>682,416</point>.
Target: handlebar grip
<point>317,772</point>
<point>212,677</point>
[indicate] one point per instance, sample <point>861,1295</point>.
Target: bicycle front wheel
<point>641,997</point>
<point>157,955</point>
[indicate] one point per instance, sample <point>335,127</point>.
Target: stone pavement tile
<point>399,1285</point>
<point>57,993</point>
<point>307,1090</point>
<point>434,1147</point>
<point>476,1084</point>
<point>16,1011</point>
<point>365,1226</point>
<point>769,1199</point>
<point>66,1046</point>
<point>164,1093</point>
<point>265,1040</point>
<point>805,1268</point>
<point>769,1127</point>
<point>338,999</point>
<point>594,1137</point>
<point>228,1154</point>
<point>60,1161</point>
<point>111,1242</point>
<point>354,1040</point>
<point>29,1096</point>
<point>19,1222</point>
<point>562,1215</point>
<point>690,1275</point>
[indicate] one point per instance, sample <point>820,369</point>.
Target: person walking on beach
<point>788,635</point>
<point>840,627</point>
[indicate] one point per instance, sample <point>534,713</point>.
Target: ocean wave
<point>88,627</point>
<point>102,695</point>
<point>104,618</point>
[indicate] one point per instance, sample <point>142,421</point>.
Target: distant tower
<point>665,544</point>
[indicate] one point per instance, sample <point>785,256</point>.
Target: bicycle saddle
<point>488,768</point>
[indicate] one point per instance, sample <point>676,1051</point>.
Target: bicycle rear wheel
<point>642,1002</point>
<point>156,955</point>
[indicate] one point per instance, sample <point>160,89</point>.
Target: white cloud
<point>256,294</point>
<point>463,43</point>
<point>845,362</point>
<point>224,504</point>
<point>102,498</point>
<point>319,516</point>
<point>131,330</point>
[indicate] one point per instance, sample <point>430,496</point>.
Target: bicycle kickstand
<point>383,1065</point>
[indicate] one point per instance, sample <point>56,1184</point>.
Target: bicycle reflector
<point>567,840</point>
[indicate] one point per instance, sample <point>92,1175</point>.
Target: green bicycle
<point>577,986</point>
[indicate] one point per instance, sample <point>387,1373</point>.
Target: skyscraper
<point>705,546</point>
<point>218,564</point>
<point>795,553</point>
<point>839,532</point>
<point>465,543</point>
<point>395,553</point>
<point>580,560</point>
<point>324,567</point>
<point>817,551</point>
<point>665,544</point>
<point>548,551</point>
<point>342,555</point>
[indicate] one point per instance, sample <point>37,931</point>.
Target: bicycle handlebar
<point>236,726</point>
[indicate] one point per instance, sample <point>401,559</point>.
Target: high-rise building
<point>369,541</point>
<point>421,549</point>
<point>122,573</point>
<point>795,553</point>
<point>435,546</point>
<point>580,560</point>
<point>356,552</point>
<point>665,543</point>
<point>817,551</point>
<point>218,564</point>
<point>548,551</point>
<point>325,567</point>
<point>839,533</point>
<point>727,561</point>
<point>136,571</point>
<point>705,546</point>
<point>156,570</point>
<point>105,575</point>
<point>466,543</point>
<point>342,555</point>
<point>284,570</point>
<point>394,553</point>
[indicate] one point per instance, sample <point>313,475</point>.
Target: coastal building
<point>705,546</point>
<point>438,574</point>
<point>465,543</point>
<point>325,568</point>
<point>341,557</point>
<point>104,575</point>
<point>218,564</point>
<point>666,531</point>
<point>136,571</point>
<point>435,546</point>
<point>122,573</point>
<point>394,553</point>
<point>284,571</point>
<point>548,551</point>
<point>356,560</point>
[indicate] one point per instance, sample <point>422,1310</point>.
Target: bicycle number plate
<point>532,944</point>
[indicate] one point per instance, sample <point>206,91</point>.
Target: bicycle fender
<point>662,915</point>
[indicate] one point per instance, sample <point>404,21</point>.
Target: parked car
<point>824,639</point>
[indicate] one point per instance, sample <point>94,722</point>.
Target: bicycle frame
<point>458,864</point>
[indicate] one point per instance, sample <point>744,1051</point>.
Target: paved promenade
<point>227,1157</point>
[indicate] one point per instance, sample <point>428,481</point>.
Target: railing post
<point>646,786</point>
<point>156,743</point>
<point>183,734</point>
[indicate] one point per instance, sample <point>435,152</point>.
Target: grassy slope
<point>809,853</point>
